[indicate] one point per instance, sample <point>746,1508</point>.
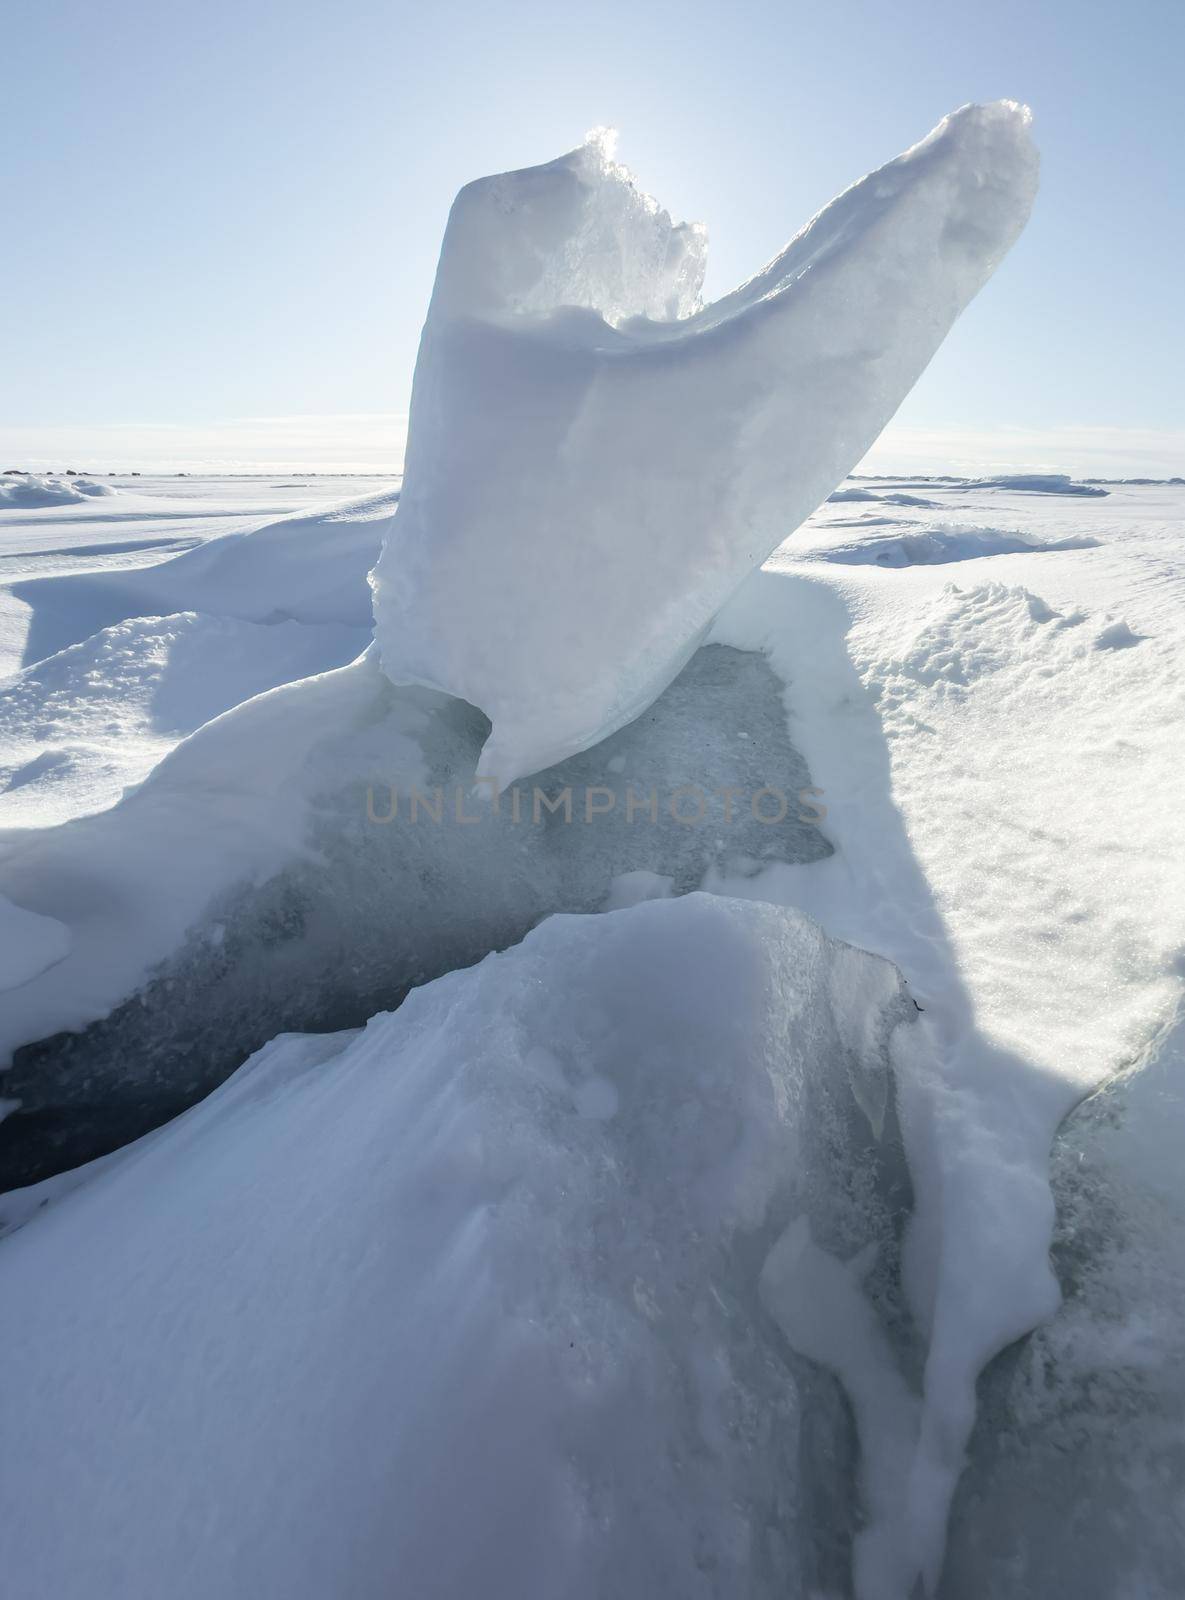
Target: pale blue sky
<point>232,210</point>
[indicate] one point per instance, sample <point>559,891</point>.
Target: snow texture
<point>594,464</point>
<point>384,1307</point>
<point>938,543</point>
<point>1000,766</point>
<point>585,1240</point>
<point>27,492</point>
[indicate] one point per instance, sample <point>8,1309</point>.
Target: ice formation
<point>468,1302</point>
<point>585,1240</point>
<point>594,462</point>
<point>1000,761</point>
<point>270,874</point>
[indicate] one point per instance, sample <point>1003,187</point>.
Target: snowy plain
<point>652,1158</point>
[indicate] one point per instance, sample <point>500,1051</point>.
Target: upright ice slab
<point>594,463</point>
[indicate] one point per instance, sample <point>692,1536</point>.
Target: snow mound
<point>1039,483</point>
<point>31,493</point>
<point>942,543</point>
<point>310,566</point>
<point>81,726</point>
<point>586,485</point>
<point>841,496</point>
<point>470,1302</point>
<point>1118,635</point>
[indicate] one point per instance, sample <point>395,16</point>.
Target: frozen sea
<point>539,1253</point>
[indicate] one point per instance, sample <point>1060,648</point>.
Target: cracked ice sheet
<point>998,742</point>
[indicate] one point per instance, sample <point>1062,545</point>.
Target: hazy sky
<point>232,211</point>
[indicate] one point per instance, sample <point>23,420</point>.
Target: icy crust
<point>470,1302</point>
<point>585,488</point>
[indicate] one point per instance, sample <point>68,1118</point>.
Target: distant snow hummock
<point>594,464</point>
<point>27,492</point>
<point>939,543</point>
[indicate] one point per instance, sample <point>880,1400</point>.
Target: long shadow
<point>977,1119</point>
<point>118,547</point>
<point>382,907</point>
<point>67,610</point>
<point>97,511</point>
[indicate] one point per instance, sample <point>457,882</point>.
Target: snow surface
<point>594,464</point>
<point>936,544</point>
<point>29,492</point>
<point>29,944</point>
<point>593,1239</point>
<point>999,771</point>
<point>1004,788</point>
<point>382,1278</point>
<point>142,656</point>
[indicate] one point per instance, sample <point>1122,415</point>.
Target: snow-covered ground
<point>535,1028</point>
<point>125,650</point>
<point>986,685</point>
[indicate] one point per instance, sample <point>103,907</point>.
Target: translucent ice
<point>594,464</point>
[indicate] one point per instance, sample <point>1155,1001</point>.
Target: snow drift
<point>308,567</point>
<point>470,1302</point>
<point>594,464</point>
<point>82,726</point>
<point>939,543</point>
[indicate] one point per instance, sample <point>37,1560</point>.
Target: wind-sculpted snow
<point>24,491</point>
<point>309,567</point>
<point>1040,483</point>
<point>81,727</point>
<point>594,465</point>
<point>938,544</point>
<point>469,1303</point>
